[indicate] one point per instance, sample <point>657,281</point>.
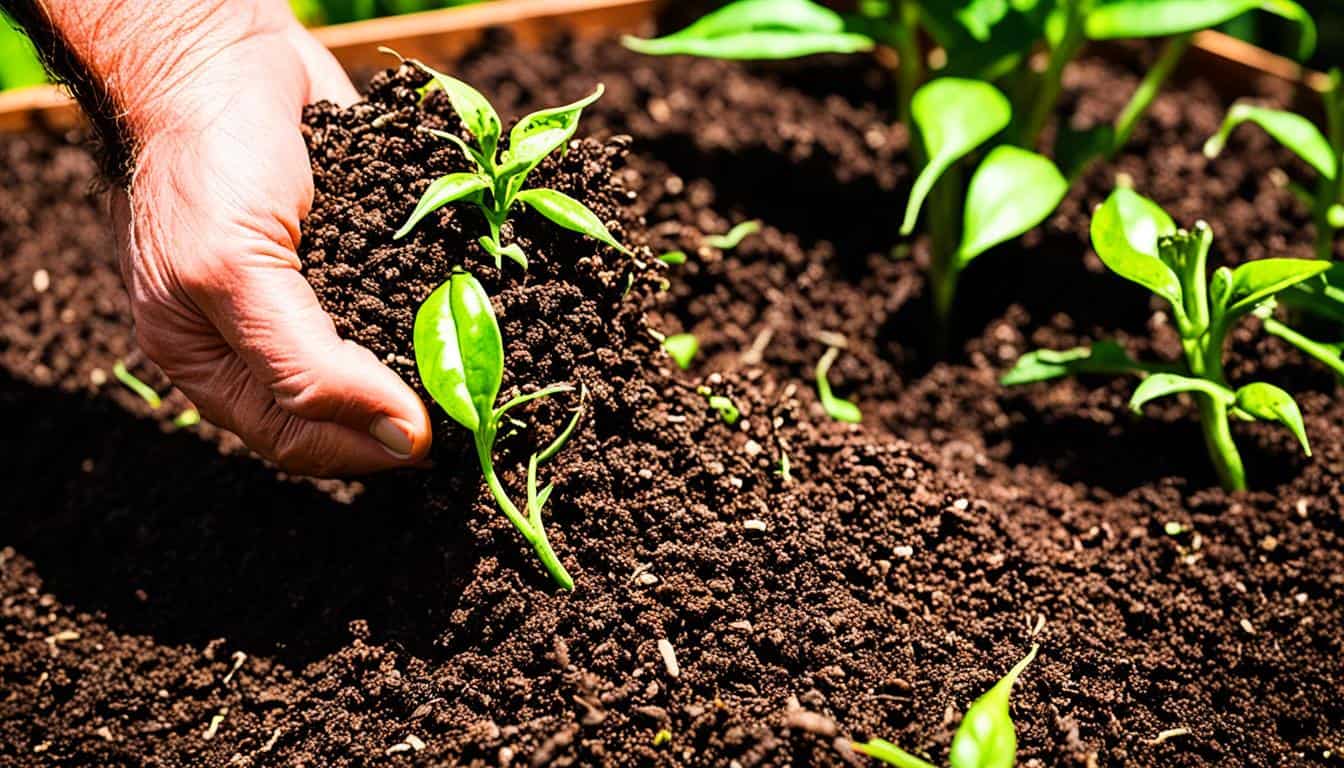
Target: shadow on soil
<point>166,537</point>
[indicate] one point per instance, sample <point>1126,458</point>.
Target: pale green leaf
<point>1164,384</point>
<point>1256,281</point>
<point>1293,131</point>
<point>1012,191</point>
<point>764,44</point>
<point>459,352</point>
<point>473,108</point>
<point>682,347</point>
<point>733,237</point>
<point>1112,19</point>
<point>444,190</point>
<point>570,214</point>
<point>1269,403</point>
<point>1104,357</point>
<point>986,737</point>
<point>890,754</point>
<point>1124,232</point>
<point>541,133</point>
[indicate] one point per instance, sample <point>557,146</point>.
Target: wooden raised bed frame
<point>436,35</point>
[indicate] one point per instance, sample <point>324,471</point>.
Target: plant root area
<point>168,600</point>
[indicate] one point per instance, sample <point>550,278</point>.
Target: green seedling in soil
<point>721,403</point>
<point>459,354</point>
<point>1138,241</point>
<point>137,386</point>
<point>673,258</point>
<point>733,237</point>
<point>837,408</point>
<point>682,347</point>
<point>1322,151</point>
<point>986,737</point>
<point>785,471</point>
<point>960,111</point>
<point>497,183</point>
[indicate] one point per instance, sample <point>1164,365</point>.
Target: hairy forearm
<point>126,61</point>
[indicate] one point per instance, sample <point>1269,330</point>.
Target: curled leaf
<point>1268,402</point>
<point>837,408</point>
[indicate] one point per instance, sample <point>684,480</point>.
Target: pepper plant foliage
<point>957,110</point>
<point>1138,241</point>
<point>459,353</point>
<point>497,182</point>
<point>986,737</point>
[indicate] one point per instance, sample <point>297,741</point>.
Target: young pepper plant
<point>459,354</point>
<point>496,184</point>
<point>1138,241</point>
<point>986,737</point>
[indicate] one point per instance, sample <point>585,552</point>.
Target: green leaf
<point>986,737</point>
<point>890,754</point>
<point>445,190</point>
<point>541,133</point>
<point>1012,191</point>
<point>570,214</point>
<point>1125,230</point>
<point>727,410</point>
<point>1256,281</point>
<point>1268,402</point>
<point>682,347</point>
<point>837,408</point>
<point>1113,19</point>
<point>984,39</point>
<point>1163,384</point>
<point>458,350</point>
<point>758,45</point>
<point>1293,131</point>
<point>512,250</point>
<point>1104,357</point>
<point>673,258</point>
<point>954,116</point>
<point>473,154</point>
<point>750,15</point>
<point>19,64</point>
<point>473,108</point>
<point>734,236</point>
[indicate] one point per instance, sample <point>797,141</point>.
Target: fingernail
<point>396,439</point>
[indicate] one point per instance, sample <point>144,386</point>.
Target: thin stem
<point>1329,190</point>
<point>1213,420</point>
<point>944,231</point>
<point>535,535</point>
<point>1052,79</point>
<point>1149,88</point>
<point>911,69</point>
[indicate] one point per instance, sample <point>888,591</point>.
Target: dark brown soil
<point>909,562</point>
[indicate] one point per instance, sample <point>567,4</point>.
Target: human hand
<point>209,231</point>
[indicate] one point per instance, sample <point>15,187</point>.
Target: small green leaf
<point>682,347</point>
<point>444,190</point>
<point>1268,402</point>
<point>727,410</point>
<point>890,754</point>
<point>541,133</point>
<point>1293,131</point>
<point>673,258</point>
<point>473,154</point>
<point>137,386</point>
<point>1163,384</point>
<point>1256,281</point>
<point>1104,357</point>
<point>458,350</point>
<point>954,116</point>
<point>1125,230</point>
<point>473,108</point>
<point>1112,19</point>
<point>986,737</point>
<point>747,15</point>
<point>734,236</point>
<point>836,407</point>
<point>759,29</point>
<point>570,214</point>
<point>1012,191</point>
<point>512,250</point>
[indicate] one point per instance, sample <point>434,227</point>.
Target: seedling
<point>460,356</point>
<point>673,258</point>
<point>1138,241</point>
<point>721,403</point>
<point>682,347</point>
<point>837,408</point>
<point>733,237</point>
<point>497,183</point>
<point>1322,151</point>
<point>131,382</point>
<point>986,737</point>
<point>960,111</point>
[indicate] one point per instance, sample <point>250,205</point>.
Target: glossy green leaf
<point>682,347</point>
<point>954,116</point>
<point>1104,357</point>
<point>458,350</point>
<point>1112,19</point>
<point>445,190</point>
<point>512,250</point>
<point>1269,403</point>
<point>837,408</point>
<point>570,214</point>
<point>541,133</point>
<point>890,754</point>
<point>474,109</point>
<point>733,237</point>
<point>749,15</point>
<point>1012,191</point>
<point>1125,230</point>
<point>1293,131</point>
<point>766,44</point>
<point>986,737</point>
<point>1256,281</point>
<point>1164,384</point>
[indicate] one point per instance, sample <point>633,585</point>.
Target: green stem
<point>1213,420</point>
<point>911,70</point>
<point>1149,88</point>
<point>1047,93</point>
<point>1322,353</point>
<point>1329,190</point>
<point>535,535</point>
<point>944,233</point>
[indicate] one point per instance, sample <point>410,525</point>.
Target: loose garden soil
<point>169,601</point>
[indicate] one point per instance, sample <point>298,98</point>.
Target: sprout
<point>682,347</point>
<point>838,408</point>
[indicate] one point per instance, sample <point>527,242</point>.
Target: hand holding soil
<point>209,229</point>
